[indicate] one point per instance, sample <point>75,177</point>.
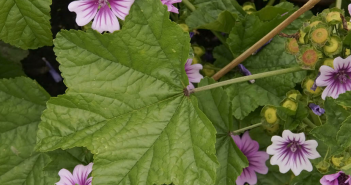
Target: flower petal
<point>248,175</point>
<point>311,149</point>
<point>276,145</point>
<point>105,20</point>
<point>170,6</point>
<point>81,173</point>
<point>342,64</point>
<point>249,146</point>
<point>326,77</point>
<point>85,10</point>
<point>237,141</point>
<point>258,162</point>
<point>66,178</point>
<point>300,162</point>
<point>121,7</point>
<point>288,135</point>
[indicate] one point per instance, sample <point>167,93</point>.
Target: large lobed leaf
<point>218,15</point>
<point>25,23</point>
<point>215,104</point>
<point>21,104</point>
<point>10,58</point>
<point>125,103</point>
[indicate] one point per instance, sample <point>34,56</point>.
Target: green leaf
<point>310,178</point>
<point>12,53</point>
<point>125,103</point>
<point>217,15</point>
<point>10,69</point>
<point>344,99</point>
<point>246,97</point>
<point>327,133</point>
<point>25,24</point>
<point>215,104</point>
<point>254,26</point>
<point>343,136</point>
<point>21,104</point>
<point>273,176</point>
<point>291,121</point>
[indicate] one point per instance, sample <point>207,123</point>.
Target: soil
<point>62,18</point>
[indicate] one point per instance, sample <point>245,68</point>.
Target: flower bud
<point>329,62</point>
<point>198,51</point>
<point>332,16</point>
<point>249,7</point>
<point>207,70</point>
<point>302,39</point>
<point>333,47</point>
<point>292,46</point>
<point>347,52</point>
<point>319,34</point>
<point>293,94</point>
<point>289,104</point>
<point>196,60</point>
<point>184,27</point>
<point>308,57</point>
<point>323,167</point>
<point>269,115</point>
<point>307,84</point>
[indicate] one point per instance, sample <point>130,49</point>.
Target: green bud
<point>293,94</point>
<point>333,47</point>
<point>329,62</point>
<point>207,70</point>
<point>323,167</point>
<point>292,46</point>
<point>290,104</point>
<point>308,57</point>
<point>270,120</point>
<point>248,6</point>
<point>302,39</point>
<point>198,51</point>
<point>184,27</point>
<point>307,84</point>
<point>332,16</point>
<point>319,34</point>
<point>347,52</point>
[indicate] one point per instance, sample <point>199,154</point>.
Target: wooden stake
<point>310,4</point>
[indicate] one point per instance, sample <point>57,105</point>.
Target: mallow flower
<point>245,72</point>
<point>170,6</point>
<point>80,175</point>
<point>317,110</point>
<point>292,151</point>
<point>103,12</point>
<point>339,178</point>
<point>257,159</point>
<point>337,80</point>
<point>193,73</point>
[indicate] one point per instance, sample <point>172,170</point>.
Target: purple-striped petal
<point>66,178</point>
<point>193,73</point>
<point>342,64</point>
<point>105,20</point>
<point>170,6</point>
<point>121,7</point>
<point>81,173</point>
<point>326,77</point>
<point>292,152</point>
<point>335,179</point>
<point>85,10</point>
<point>247,176</point>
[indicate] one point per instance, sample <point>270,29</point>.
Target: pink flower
<point>339,178</point>
<point>193,73</point>
<point>292,151</point>
<point>104,18</point>
<point>337,80</point>
<point>257,159</point>
<point>170,3</point>
<point>80,175</point>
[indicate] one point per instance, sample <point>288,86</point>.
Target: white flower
<point>292,152</point>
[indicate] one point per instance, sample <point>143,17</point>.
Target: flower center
<point>342,178</point>
<point>293,146</point>
<point>103,2</point>
<point>342,76</point>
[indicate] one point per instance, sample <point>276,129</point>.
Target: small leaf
<point>215,104</point>
<point>344,99</point>
<point>25,24</point>
<point>343,136</point>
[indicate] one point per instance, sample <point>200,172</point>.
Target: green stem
<point>338,3</point>
<point>235,132</point>
<point>246,78</point>
<point>189,5</point>
<point>217,34</point>
<point>270,2</point>
<point>326,155</point>
<point>309,123</point>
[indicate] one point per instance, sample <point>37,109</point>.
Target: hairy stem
<point>247,78</point>
<point>338,3</point>
<point>235,132</point>
<point>265,39</point>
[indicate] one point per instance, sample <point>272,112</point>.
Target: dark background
<point>62,18</point>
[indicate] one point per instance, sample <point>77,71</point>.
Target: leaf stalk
<point>235,132</point>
